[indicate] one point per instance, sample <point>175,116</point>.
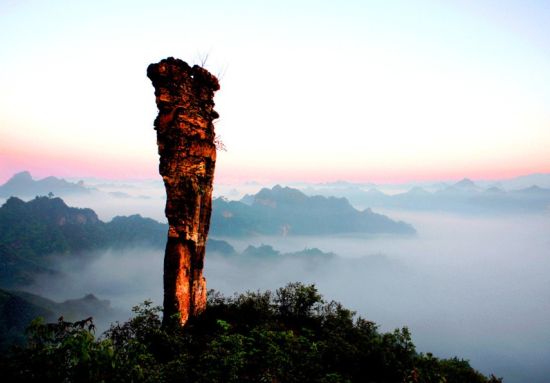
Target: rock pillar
<point>185,138</point>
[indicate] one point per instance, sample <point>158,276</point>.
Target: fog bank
<point>472,287</point>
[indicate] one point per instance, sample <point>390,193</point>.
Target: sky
<point>366,91</point>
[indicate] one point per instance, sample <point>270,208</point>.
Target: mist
<point>466,286</point>
<point>472,287</point>
<point>125,277</point>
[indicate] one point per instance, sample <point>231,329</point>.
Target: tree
<point>292,335</point>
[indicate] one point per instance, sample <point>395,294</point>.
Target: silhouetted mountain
<point>287,211</point>
<point>533,191</point>
<point>352,192</point>
<point>378,197</point>
<point>36,236</point>
<point>71,309</point>
<point>42,226</point>
<point>248,199</point>
<point>23,185</point>
<point>464,196</point>
<point>521,182</point>
<point>267,253</point>
<point>466,184</point>
<point>136,230</point>
<point>220,247</point>
<point>15,315</point>
<point>461,189</point>
<point>18,309</point>
<point>31,231</point>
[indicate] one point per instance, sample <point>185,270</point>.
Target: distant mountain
<point>23,185</point>
<point>533,190</point>
<point>36,236</point>
<point>219,247</point>
<point>464,196</point>
<point>521,182</point>
<point>18,309</point>
<point>287,211</point>
<point>46,226</point>
<point>135,230</point>
<point>42,226</point>
<point>32,231</point>
<point>460,188</point>
<point>352,192</point>
<point>267,253</point>
<point>248,199</point>
<point>15,315</point>
<point>466,184</point>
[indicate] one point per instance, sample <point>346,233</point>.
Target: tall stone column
<point>185,138</point>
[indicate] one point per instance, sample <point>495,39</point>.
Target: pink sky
<point>359,91</point>
<point>74,165</point>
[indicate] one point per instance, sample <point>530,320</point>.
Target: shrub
<point>292,335</point>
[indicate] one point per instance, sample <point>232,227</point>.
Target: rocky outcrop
<point>185,138</point>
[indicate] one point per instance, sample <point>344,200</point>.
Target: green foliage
<point>30,232</point>
<point>291,335</point>
<point>60,352</point>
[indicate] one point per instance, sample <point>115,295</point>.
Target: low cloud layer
<point>472,287</point>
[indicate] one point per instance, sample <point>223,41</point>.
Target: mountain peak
<point>286,211</point>
<point>465,183</point>
<point>279,194</point>
<point>534,190</point>
<point>21,176</point>
<point>23,185</point>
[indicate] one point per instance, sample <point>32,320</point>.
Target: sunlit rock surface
<point>185,137</point>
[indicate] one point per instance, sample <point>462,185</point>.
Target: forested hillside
<point>292,335</point>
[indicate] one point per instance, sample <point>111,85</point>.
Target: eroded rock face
<point>185,138</point>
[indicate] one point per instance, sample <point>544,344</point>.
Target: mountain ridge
<point>23,185</point>
<point>464,196</point>
<point>19,308</point>
<point>288,211</point>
